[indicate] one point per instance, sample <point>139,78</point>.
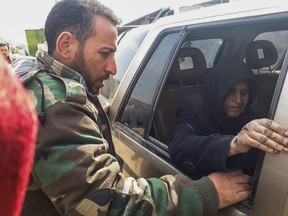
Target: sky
<point>18,15</point>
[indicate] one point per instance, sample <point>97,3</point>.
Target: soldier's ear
<point>66,45</point>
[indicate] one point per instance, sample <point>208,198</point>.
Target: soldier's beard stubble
<point>80,66</point>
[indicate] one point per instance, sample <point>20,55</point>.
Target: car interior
<point>181,83</point>
<point>260,54</point>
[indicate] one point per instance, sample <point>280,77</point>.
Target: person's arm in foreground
<point>73,168</point>
<point>18,131</point>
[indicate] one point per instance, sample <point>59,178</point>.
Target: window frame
<point>143,140</point>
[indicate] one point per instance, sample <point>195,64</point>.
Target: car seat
<point>181,81</point>
<point>263,54</point>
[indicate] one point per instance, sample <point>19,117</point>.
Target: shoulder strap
<point>32,75</point>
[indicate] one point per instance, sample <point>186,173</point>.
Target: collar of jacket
<point>55,67</point>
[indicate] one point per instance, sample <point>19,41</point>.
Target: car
<point>160,63</point>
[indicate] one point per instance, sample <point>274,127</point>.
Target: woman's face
<point>236,101</point>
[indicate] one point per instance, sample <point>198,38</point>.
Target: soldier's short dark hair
<point>75,16</point>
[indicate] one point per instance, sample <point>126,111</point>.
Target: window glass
<point>128,45</point>
<point>137,112</point>
<point>209,48</point>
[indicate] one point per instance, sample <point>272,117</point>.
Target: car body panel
<point>274,173</point>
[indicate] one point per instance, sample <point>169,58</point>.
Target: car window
<point>165,118</point>
<point>209,48</point>
<point>139,106</point>
<point>127,47</point>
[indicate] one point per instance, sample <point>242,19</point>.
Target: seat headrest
<point>189,64</point>
<point>261,53</point>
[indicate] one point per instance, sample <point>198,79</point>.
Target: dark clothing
<point>199,148</point>
<point>218,84</point>
<point>203,133</point>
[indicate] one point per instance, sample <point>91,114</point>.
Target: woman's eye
<point>244,92</point>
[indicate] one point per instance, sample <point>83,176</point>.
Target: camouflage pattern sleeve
<point>75,171</point>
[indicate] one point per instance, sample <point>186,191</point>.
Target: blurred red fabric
<point>18,131</point>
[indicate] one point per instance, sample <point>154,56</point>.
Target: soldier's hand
<point>264,134</point>
<point>232,187</point>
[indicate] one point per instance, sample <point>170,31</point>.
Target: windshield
<point>128,44</point>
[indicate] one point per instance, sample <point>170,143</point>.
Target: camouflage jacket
<point>74,171</point>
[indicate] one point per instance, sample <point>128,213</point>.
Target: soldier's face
<point>95,61</point>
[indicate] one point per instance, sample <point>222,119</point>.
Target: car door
<point>271,195</point>
<point>132,109</point>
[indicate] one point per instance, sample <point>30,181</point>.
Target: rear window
<point>279,40</point>
<point>209,48</point>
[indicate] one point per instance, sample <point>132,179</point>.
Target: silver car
<point>155,72</point>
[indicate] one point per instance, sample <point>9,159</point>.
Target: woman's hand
<point>264,134</point>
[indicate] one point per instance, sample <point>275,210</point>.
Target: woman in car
<point>216,131</point>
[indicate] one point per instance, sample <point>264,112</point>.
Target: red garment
<point>8,60</point>
<point>18,131</point>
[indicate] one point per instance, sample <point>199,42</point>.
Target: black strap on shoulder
<point>41,115</point>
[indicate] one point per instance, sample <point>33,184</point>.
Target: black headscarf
<point>217,85</point>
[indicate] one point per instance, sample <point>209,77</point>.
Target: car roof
<point>225,11</point>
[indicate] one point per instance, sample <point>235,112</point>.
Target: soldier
<point>76,171</point>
